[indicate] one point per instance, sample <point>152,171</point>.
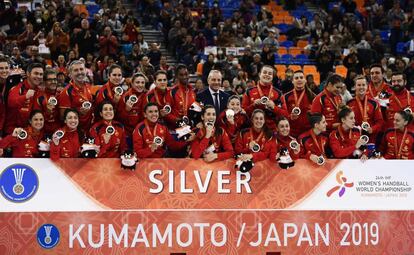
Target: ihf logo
<point>48,236</point>
<point>18,183</point>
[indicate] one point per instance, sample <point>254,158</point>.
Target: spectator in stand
<point>108,43</point>
<point>254,40</point>
<point>255,67</point>
<point>146,68</point>
<point>154,54</point>
<point>271,40</point>
<point>57,41</point>
<point>85,40</point>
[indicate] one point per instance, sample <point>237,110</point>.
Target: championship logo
<point>18,183</point>
<point>343,184</point>
<point>48,236</point>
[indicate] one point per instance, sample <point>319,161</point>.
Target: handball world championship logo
<point>342,185</point>
<point>48,236</point>
<point>18,183</point>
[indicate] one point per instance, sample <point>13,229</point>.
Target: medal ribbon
<point>399,102</point>
<point>298,101</point>
<point>333,101</point>
<point>261,92</point>
<point>363,111</point>
<point>319,145</point>
<point>399,149</point>
<point>147,127</point>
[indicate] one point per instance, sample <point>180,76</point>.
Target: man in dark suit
<point>213,95</point>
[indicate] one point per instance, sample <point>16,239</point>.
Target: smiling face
<point>72,120</point>
<point>283,128</point>
<point>234,104</point>
<point>115,77</point>
<point>138,84</point>
<point>4,70</point>
<point>78,73</point>
<point>321,126</point>
<point>209,116</point>
<point>35,77</point>
<point>152,113</point>
<point>361,87</point>
<point>258,120</point>
<point>266,74</point>
<point>107,112</point>
<point>51,82</point>
<point>182,76</point>
<point>398,82</point>
<point>37,121</point>
<point>214,81</point>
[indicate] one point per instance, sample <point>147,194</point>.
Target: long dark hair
<point>216,126</point>
<point>314,118</point>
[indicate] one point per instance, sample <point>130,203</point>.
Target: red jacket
<point>398,101</point>
<point>108,46</point>
<point>313,144</point>
<point>240,121</point>
<point>18,107</point>
<point>68,147</point>
<point>343,143</point>
<point>258,92</point>
<point>52,119</point>
<point>268,146</point>
<point>397,144</point>
<point>284,142</point>
<point>143,137</point>
<point>327,104</point>
<point>106,92</point>
<point>130,118</point>
<point>372,115</point>
<point>180,98</point>
<point>292,99</point>
<point>27,148</point>
<point>2,106</point>
<point>220,140</point>
<point>373,92</point>
<point>117,142</point>
<point>73,97</point>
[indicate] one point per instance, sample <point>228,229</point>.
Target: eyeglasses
<point>51,80</point>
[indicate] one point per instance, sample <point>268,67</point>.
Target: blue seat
<point>287,44</point>
<point>287,56</point>
<point>400,48</point>
<point>126,48</point>
<point>302,56</point>
<point>385,35</point>
<point>283,27</point>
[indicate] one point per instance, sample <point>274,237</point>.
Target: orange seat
<point>282,50</point>
<point>302,43</point>
<point>316,77</point>
<point>281,71</point>
<point>295,67</point>
<point>341,70</point>
<point>275,7</point>
<point>308,69</point>
<point>288,20</point>
<point>294,51</point>
<point>281,13</point>
<point>278,20</point>
<point>282,38</point>
<point>199,71</point>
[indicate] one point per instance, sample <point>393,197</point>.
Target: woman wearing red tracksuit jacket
<point>152,139</point>
<point>235,120</point>
<point>211,143</point>
<point>284,139</point>
<point>131,104</point>
<point>107,91</point>
<point>67,146</point>
<point>346,141</point>
<point>256,143</point>
<point>159,94</point>
<point>314,141</point>
<point>108,133</point>
<point>297,103</point>
<point>25,146</point>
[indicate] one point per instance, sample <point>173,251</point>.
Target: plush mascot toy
<point>89,149</point>
<point>129,160</point>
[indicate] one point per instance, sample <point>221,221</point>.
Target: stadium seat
<point>282,50</point>
<point>341,70</point>
<point>295,51</point>
<point>302,43</point>
<point>385,35</point>
<point>286,44</point>
<point>281,69</point>
<point>282,38</point>
<point>400,48</point>
<point>307,69</point>
<point>283,27</point>
<point>295,67</point>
